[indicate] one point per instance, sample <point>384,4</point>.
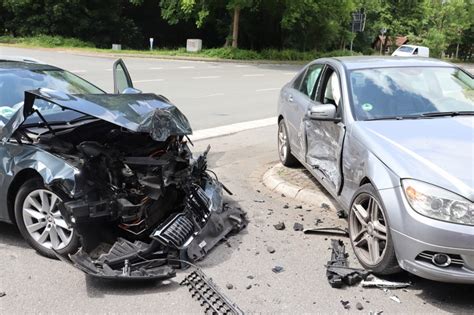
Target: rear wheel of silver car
<point>40,221</point>
<point>284,150</point>
<point>370,234</point>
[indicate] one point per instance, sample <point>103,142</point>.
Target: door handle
<point>290,98</point>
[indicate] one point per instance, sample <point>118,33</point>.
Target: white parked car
<point>412,51</point>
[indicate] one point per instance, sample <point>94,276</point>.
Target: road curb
<point>273,181</point>
<point>80,52</point>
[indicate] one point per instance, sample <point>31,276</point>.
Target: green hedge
<point>221,53</point>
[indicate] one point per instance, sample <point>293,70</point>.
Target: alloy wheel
<point>282,142</point>
<point>368,229</point>
<point>43,220</point>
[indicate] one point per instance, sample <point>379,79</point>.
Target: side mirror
<point>131,90</point>
<point>325,112</point>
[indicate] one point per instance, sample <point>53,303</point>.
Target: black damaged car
<point>104,181</point>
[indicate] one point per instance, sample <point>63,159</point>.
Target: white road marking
<point>241,66</point>
<point>156,68</point>
<point>150,80</point>
<point>290,73</point>
<point>187,67</point>
<point>210,95</point>
<point>233,128</point>
<point>265,90</point>
<point>78,71</point>
<point>207,77</point>
<point>254,75</point>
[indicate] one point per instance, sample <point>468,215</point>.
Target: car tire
<point>369,232</point>
<point>284,150</point>
<point>41,223</point>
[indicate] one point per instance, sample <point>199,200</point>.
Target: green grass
<point>212,53</point>
<point>46,41</point>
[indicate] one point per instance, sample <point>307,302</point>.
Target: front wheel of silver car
<point>370,234</point>
<point>40,221</point>
<point>284,150</point>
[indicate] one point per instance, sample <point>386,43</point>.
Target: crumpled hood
<point>147,113</point>
<point>439,151</point>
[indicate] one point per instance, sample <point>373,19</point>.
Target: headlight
<point>438,203</point>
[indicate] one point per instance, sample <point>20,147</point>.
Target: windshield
<point>405,49</point>
<point>401,92</point>
<point>14,83</point>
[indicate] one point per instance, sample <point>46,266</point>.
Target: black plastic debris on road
<point>325,206</point>
<point>298,227</point>
<point>342,214</point>
<point>279,226</point>
<point>346,304</point>
<point>2,294</point>
<point>208,295</point>
<point>277,269</point>
<point>338,271</point>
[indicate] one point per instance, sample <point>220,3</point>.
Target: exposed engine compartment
<point>139,202</point>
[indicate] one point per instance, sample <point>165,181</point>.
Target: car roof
<point>9,63</point>
<point>370,62</point>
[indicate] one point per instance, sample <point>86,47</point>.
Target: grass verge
<point>286,55</point>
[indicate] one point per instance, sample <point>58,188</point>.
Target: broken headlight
<point>438,203</point>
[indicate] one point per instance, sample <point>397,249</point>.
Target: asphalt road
<point>36,284</point>
<point>209,94</point>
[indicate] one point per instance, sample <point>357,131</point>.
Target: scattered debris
<point>286,206</point>
<point>229,286</point>
<point>259,201</point>
<point>208,295</point>
<point>346,304</point>
<point>338,271</point>
<point>328,231</point>
<point>342,214</point>
<point>250,277</point>
<point>325,206</point>
<point>249,287</point>
<point>395,298</point>
<point>279,226</point>
<point>277,269</point>
<point>380,283</point>
<point>270,249</point>
<point>2,294</point>
<point>283,195</point>
<point>359,306</point>
<point>299,207</point>
<point>317,221</point>
<point>298,227</point>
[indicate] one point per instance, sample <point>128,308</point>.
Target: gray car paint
<point>436,150</point>
<point>138,112</point>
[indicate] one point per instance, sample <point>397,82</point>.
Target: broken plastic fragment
<point>380,283</point>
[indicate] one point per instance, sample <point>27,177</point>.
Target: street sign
<point>358,21</point>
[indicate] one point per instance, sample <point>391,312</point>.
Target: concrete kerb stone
<point>276,183</point>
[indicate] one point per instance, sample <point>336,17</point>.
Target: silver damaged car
<point>392,140</point>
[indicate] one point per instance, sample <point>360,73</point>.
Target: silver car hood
<point>439,150</point>
<point>148,113</point>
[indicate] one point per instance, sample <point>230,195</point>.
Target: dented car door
<point>325,136</point>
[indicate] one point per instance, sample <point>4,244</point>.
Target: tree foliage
<point>305,25</point>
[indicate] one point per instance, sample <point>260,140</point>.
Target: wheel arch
<point>14,187</point>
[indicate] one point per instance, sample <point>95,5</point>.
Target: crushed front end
<point>142,216</point>
<point>139,201</point>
